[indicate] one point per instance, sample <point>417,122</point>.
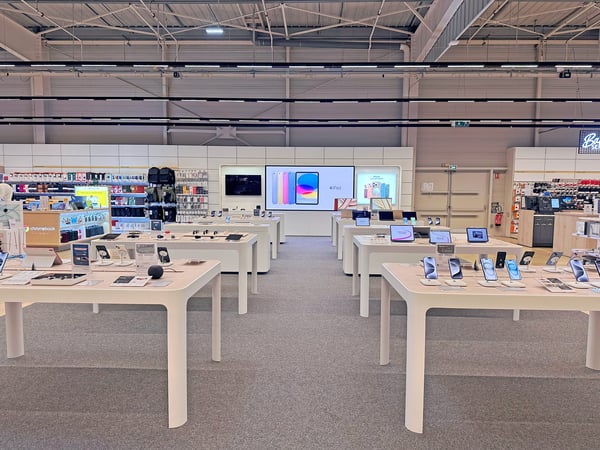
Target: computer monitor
<point>409,215</point>
<point>386,215</point>
<point>402,233</point>
<point>440,237</point>
<point>477,235</point>
<point>377,203</point>
<point>545,205</point>
<point>362,221</point>
<point>421,232</point>
<point>555,203</point>
<point>360,213</point>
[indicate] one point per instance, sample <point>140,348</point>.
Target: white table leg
<point>516,314</point>
<point>363,270</point>
<point>243,284</point>
<point>255,268</point>
<point>216,318</point>
<point>354,269</point>
<point>592,359</point>
<point>415,367</point>
<point>95,308</point>
<point>15,344</point>
<point>384,328</point>
<point>177,363</point>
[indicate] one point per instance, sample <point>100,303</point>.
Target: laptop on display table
<point>40,258</point>
<point>477,235</point>
<point>402,233</point>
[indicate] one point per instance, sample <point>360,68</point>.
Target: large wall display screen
<point>376,182</point>
<point>307,188</point>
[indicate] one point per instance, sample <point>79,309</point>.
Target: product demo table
<point>404,279</point>
<point>188,247</point>
<point>184,282</point>
<point>367,247</point>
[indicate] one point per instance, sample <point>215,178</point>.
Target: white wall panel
<point>280,153</point>
<point>561,153</point>
<point>133,150</point>
<point>76,162</point>
<point>47,161</point>
<point>314,153</point>
<point>17,162</point>
<point>75,150</point>
<point>338,152</point>
<point>251,152</point>
<point>104,150</point>
<point>133,161</point>
<point>104,162</point>
<point>18,149</point>
<point>192,151</point>
<point>45,149</point>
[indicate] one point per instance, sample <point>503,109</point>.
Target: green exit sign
<point>460,123</point>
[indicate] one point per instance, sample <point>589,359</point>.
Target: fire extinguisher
<point>498,220</point>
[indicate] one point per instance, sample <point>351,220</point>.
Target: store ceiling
<point>429,27</point>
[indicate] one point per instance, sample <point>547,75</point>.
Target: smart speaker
<point>155,272</point>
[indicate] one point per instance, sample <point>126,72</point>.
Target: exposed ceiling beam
<point>466,13</point>
<point>18,41</point>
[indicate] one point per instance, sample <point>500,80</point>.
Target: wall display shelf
<point>56,228</point>
<point>191,188</point>
<point>127,192</point>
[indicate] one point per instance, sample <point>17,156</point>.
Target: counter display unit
<point>191,187</point>
<point>56,228</point>
<point>535,230</point>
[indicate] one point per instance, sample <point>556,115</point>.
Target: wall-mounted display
<point>236,184</point>
<point>308,188</point>
<point>377,182</point>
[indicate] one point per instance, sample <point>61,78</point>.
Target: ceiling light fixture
<point>214,30</point>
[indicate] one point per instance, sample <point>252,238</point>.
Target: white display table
<point>262,231</point>
<point>368,247</point>
<point>185,281</point>
<point>404,279</point>
<point>244,251</point>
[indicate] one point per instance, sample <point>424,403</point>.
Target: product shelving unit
<point>57,228</point>
<point>127,192</point>
<point>191,187</point>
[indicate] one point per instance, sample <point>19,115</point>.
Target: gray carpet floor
<point>299,371</point>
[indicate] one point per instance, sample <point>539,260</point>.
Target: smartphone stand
<point>513,284</point>
<point>103,262</point>
<point>526,269</point>
<point>579,284</point>
<point>486,283</point>
<point>427,282</point>
<point>457,283</point>
<point>552,269</point>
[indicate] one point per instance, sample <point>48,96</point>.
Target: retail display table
<point>367,247</point>
<point>404,279</point>
<point>183,282</point>
<point>265,233</point>
<point>188,247</point>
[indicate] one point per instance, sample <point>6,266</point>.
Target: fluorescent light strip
<point>47,65</point>
<point>384,101</point>
<point>519,66</point>
<point>214,30</point>
<point>500,101</point>
<point>411,66</point>
<point>521,121</point>
<point>254,67</point>
<point>352,66</point>
<point>584,121</point>
<point>490,121</point>
<point>461,101</point>
<point>466,66</point>
<point>202,66</point>
<point>307,67</point>
<point>7,65</point>
<point>574,66</point>
<point>98,65</point>
<point>422,101</point>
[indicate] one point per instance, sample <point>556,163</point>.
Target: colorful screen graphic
<point>306,188</point>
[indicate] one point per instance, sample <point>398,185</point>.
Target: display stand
<point>427,282</point>
<point>513,284</point>
<point>456,283</point>
<point>486,283</point>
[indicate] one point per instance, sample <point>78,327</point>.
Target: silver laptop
<point>40,258</point>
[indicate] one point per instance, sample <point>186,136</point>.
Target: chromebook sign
<point>589,141</point>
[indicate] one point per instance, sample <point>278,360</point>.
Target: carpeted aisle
<point>299,371</point>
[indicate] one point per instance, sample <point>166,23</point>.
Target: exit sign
<point>460,123</point>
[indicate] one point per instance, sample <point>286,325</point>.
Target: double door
<point>459,198</point>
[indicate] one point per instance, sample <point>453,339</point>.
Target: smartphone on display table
<point>430,268</point>
<point>500,260</point>
<point>455,269</point>
<point>578,270</point>
<point>513,270</point>
<point>488,269</point>
<point>102,252</point>
<point>526,258</point>
<point>163,255</point>
<point>597,264</point>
